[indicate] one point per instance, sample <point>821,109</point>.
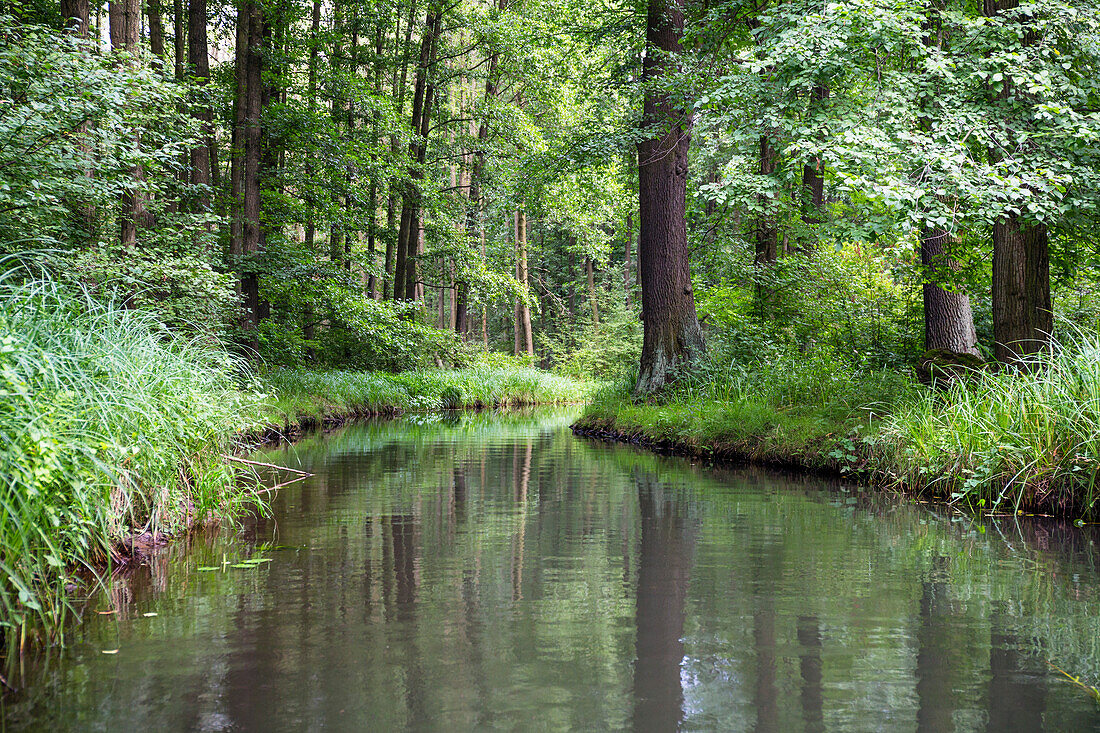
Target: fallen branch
<point>267,465</point>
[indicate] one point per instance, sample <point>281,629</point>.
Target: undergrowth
<point>109,426</point>
<point>305,393</point>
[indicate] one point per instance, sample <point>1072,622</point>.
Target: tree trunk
<point>672,336</point>
<point>524,341</point>
<point>628,286</point>
<point>156,31</point>
<point>125,23</point>
<point>1022,314</point>
<point>77,16</point>
<point>813,173</point>
<point>246,234</point>
<point>198,58</point>
<point>948,319</point>
<point>590,271</point>
<point>179,36</point>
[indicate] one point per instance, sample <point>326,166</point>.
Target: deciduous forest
<point>852,235</point>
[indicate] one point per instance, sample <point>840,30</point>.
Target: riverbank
<point>115,434</point>
<point>996,441</point>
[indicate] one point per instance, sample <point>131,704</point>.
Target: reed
<point>109,426</point>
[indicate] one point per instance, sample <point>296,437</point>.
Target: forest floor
<point>1012,441</point>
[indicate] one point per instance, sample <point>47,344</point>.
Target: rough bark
<point>1022,315</point>
<point>156,31</point>
<point>77,16</point>
<point>246,227</point>
<point>628,285</point>
<point>672,336</point>
<point>125,28</point>
<point>198,58</point>
<point>948,318</point>
<point>813,173</point>
<point>180,19</point>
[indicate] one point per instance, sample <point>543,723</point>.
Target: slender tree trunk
<point>590,271</point>
<point>247,160</point>
<point>198,57</point>
<point>156,31</point>
<point>672,336</point>
<point>77,17</point>
<point>628,285</point>
<point>125,22</point>
<point>524,339</point>
<point>395,262</point>
<point>423,98</point>
<point>180,20</point>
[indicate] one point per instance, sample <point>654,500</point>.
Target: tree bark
<point>948,319</point>
<point>1022,315</point>
<point>125,28</point>
<point>246,231</point>
<point>672,336</point>
<point>77,16</point>
<point>198,58</point>
<point>524,340</point>
<point>813,173</point>
<point>179,36</point>
<point>628,286</point>
<point>590,272</point>
<point>156,31</point>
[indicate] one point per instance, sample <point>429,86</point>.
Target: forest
<point>852,235</point>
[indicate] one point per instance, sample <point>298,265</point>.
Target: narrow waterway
<point>482,571</point>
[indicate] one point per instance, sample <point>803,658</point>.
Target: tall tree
<point>1022,314</point>
<point>246,229</point>
<point>672,336</point>
<point>125,22</point>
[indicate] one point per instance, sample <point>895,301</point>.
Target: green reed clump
<point>311,393</point>
<point>1026,437</point>
<point>109,426</point>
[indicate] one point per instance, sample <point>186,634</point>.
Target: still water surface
<point>489,571</point>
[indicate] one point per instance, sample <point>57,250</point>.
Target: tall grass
<point>1012,439</point>
<point>109,426</point>
<point>311,393</point>
<point>787,408</point>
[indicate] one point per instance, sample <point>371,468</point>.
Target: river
<point>490,570</point>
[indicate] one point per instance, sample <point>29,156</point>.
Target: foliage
<point>109,425</point>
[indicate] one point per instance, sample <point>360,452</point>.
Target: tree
<point>672,336</point>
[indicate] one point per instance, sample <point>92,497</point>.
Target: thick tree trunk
<point>1022,315</point>
<point>948,319</point>
<point>77,16</point>
<point>246,233</point>
<point>672,336</point>
<point>180,19</point>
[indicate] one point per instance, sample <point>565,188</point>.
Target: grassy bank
<point>310,396</point>
<point>109,427</point>
<point>1025,440</point>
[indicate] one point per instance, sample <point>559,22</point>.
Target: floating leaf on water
<point>107,613</point>
<point>110,651</point>
<point>207,569</point>
<point>243,565</point>
<point>148,615</point>
<point>258,560</point>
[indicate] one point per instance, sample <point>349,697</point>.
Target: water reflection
<point>492,571</point>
